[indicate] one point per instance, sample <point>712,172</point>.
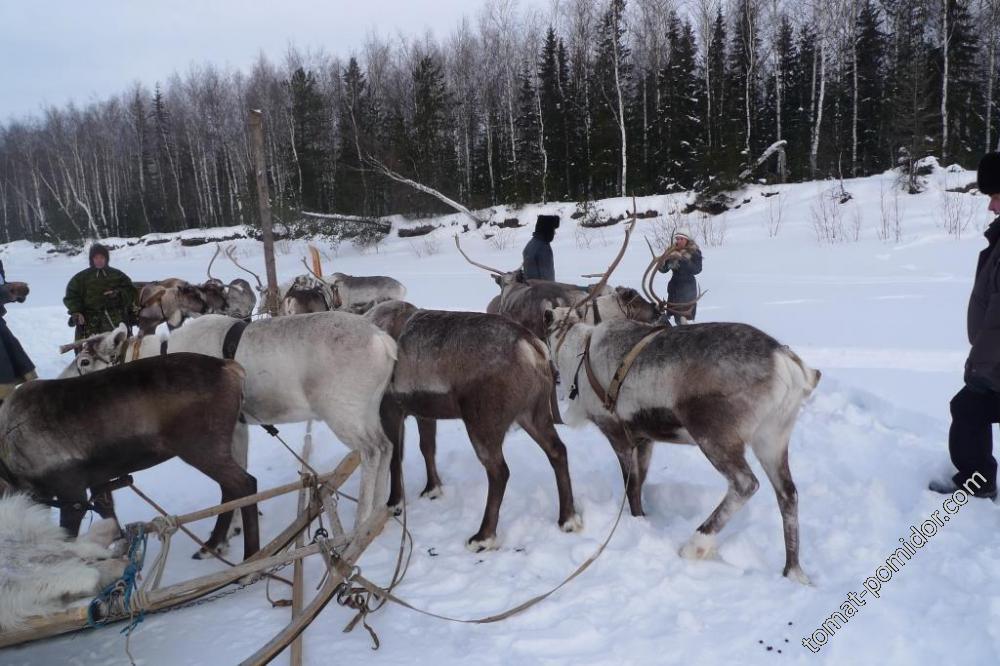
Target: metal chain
<point>265,575</point>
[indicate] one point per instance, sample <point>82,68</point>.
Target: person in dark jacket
<point>683,259</point>
<point>100,297</point>
<point>976,407</point>
<point>15,366</point>
<point>537,254</point>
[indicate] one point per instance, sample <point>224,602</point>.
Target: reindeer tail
<point>810,376</point>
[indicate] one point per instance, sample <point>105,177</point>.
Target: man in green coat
<point>100,297</point>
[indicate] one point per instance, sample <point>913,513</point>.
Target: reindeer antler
<point>229,253</point>
<point>597,288</point>
<point>218,247</point>
<point>71,346</point>
<point>474,263</point>
<point>649,274</point>
<point>684,309</point>
<point>308,268</point>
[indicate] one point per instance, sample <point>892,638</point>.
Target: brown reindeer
<point>481,368</point>
<point>58,440</point>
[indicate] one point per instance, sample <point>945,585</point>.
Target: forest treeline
<point>589,99</point>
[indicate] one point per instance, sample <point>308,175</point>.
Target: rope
<point>354,583</point>
<point>165,527</point>
<point>124,596</point>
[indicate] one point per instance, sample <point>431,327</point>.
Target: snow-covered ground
<point>883,320</point>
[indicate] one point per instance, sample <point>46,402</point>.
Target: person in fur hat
<point>537,254</point>
<point>683,259</point>
<point>976,407</point>
<point>100,297</point>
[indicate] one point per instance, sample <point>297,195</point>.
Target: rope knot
<point>164,526</point>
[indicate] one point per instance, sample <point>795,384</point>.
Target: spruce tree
<point>432,153</point>
<point>312,147</point>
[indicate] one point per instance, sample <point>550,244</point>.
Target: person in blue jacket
<point>537,254</point>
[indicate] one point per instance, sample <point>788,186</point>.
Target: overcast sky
<point>54,51</point>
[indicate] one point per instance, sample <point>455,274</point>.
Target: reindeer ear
<point>118,335</point>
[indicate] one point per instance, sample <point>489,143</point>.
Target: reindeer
<point>525,301</point>
<point>486,370</point>
<point>175,300</point>
<point>359,294</point>
<point>720,386</point>
<point>306,293</point>
<point>57,443</point>
<point>330,366</point>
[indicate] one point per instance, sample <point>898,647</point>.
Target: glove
<point>77,319</point>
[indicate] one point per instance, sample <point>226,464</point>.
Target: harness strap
<point>610,397</point>
<point>232,339</point>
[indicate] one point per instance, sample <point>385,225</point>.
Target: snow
<point>884,322</point>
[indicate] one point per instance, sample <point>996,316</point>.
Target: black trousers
<point>970,440</point>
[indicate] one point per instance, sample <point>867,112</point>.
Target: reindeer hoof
<point>204,554</point>
<point>479,545</point>
<point>396,510</point>
<point>573,524</point>
<point>798,575</point>
<point>433,493</point>
<point>699,547</point>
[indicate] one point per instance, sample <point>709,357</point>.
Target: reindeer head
<point>170,305</point>
<point>18,291</point>
<point>308,294</point>
<point>213,292</point>
<point>632,305</point>
<point>96,352</point>
<point>560,319</point>
<point>240,299</point>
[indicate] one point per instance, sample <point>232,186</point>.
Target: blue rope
<point>126,584</point>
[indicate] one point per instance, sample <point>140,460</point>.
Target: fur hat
<point>682,232</point>
<point>988,176</point>
<point>97,249</point>
<point>546,225</point>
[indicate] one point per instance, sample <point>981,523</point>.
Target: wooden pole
<point>264,200</point>
<point>359,542</point>
<point>333,479</point>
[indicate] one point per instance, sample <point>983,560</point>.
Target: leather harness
<point>609,397</point>
<point>229,344</point>
<point>232,340</point>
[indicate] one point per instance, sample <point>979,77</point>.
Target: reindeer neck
<point>572,343</point>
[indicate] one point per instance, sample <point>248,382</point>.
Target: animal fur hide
<point>41,569</point>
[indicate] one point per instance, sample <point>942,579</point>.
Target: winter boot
<point>955,483</point>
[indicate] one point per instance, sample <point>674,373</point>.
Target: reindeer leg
<point>643,455</point>
<point>70,517</point>
<point>633,475</point>
<point>540,428</point>
<point>428,448</point>
<point>487,440</point>
<point>103,503</point>
<point>773,456</point>
<point>235,483</point>
<point>241,446</point>
<point>742,485</point>
<point>392,418</point>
